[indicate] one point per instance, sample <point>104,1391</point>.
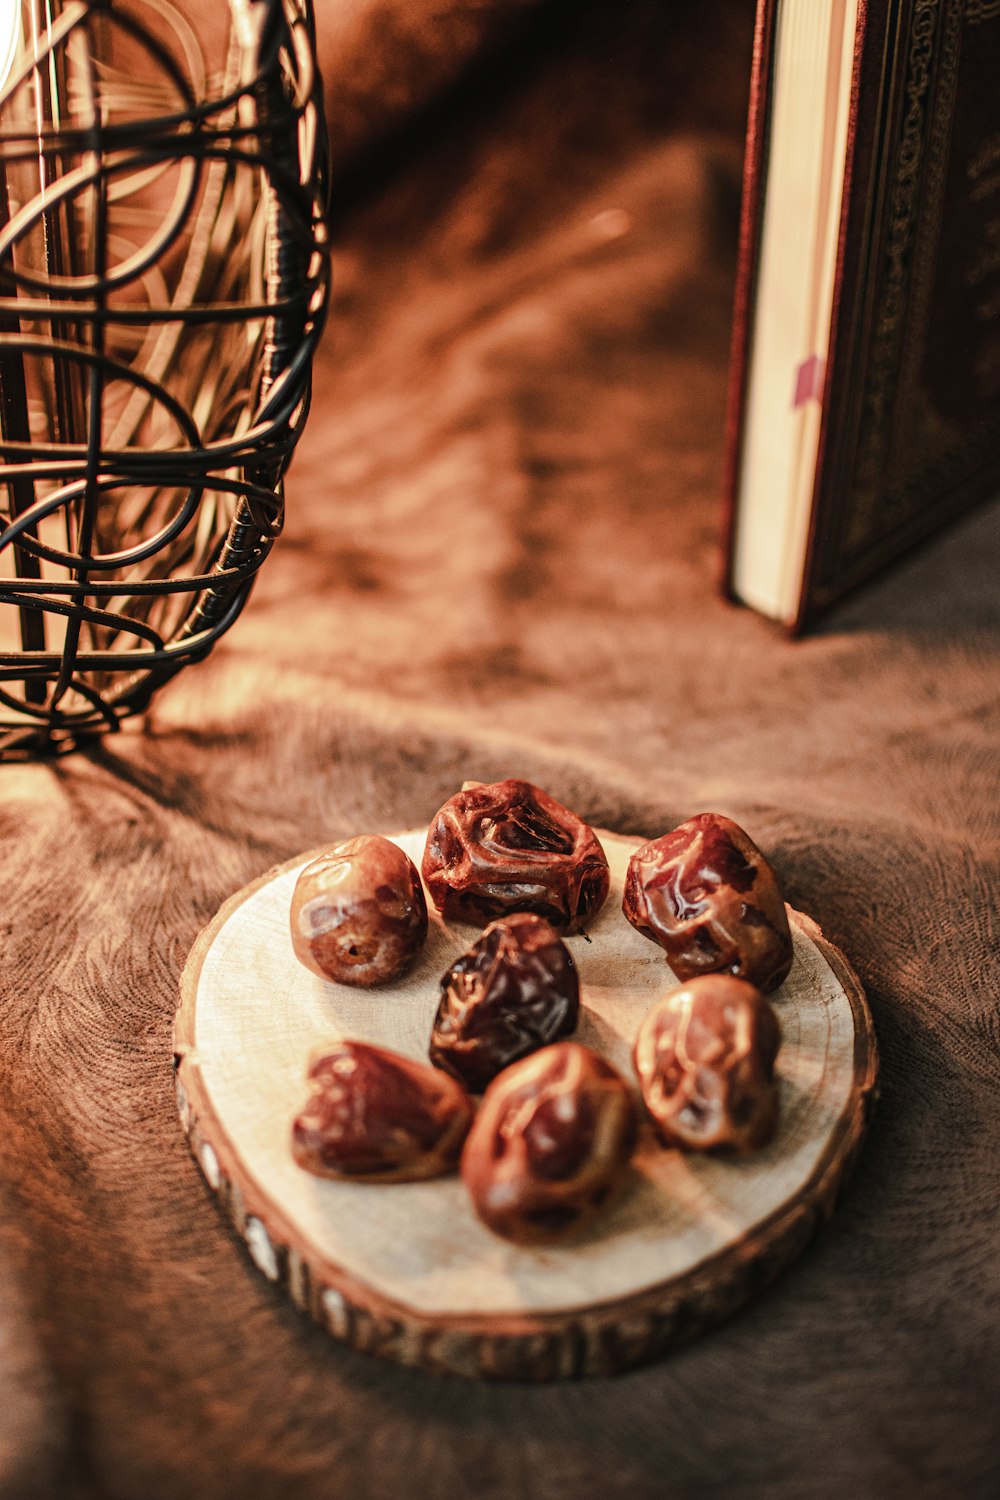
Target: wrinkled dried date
<point>704,1056</point>
<point>358,912</point>
<point>515,990</point>
<point>550,1144</point>
<point>510,847</point>
<point>375,1116</point>
<point>708,896</point>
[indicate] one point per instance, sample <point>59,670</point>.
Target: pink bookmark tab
<point>809,377</point>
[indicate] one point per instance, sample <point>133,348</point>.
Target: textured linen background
<point>501,556</point>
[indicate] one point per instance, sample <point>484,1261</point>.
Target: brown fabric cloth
<point>501,559</point>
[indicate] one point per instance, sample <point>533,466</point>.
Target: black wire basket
<point>163,281</point>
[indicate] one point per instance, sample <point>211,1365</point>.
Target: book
<point>864,401</point>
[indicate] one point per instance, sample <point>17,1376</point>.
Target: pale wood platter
<point>407,1271</point>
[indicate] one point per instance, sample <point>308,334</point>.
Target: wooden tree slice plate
<point>406,1270</point>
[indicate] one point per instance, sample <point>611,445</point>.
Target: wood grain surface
<point>407,1271</point>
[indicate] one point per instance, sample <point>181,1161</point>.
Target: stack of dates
<point>550,1142</point>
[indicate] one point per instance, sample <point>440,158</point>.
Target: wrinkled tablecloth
<point>501,558</point>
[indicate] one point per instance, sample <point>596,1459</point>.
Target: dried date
<point>375,1116</point>
<point>708,896</point>
<point>510,847</point>
<point>550,1144</point>
<point>358,912</point>
<point>704,1056</point>
<point>515,990</point>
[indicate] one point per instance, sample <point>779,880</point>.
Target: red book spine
<point>751,214</point>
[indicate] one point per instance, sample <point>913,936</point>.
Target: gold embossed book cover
<point>864,409</point>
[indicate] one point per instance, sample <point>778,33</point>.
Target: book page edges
<point>775,448</point>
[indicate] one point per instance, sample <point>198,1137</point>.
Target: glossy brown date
<point>708,896</point>
<point>550,1144</point>
<point>358,912</point>
<point>515,990</point>
<point>375,1116</point>
<point>704,1056</point>
<point>510,847</point>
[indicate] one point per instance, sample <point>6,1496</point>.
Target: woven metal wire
<point>163,278</point>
